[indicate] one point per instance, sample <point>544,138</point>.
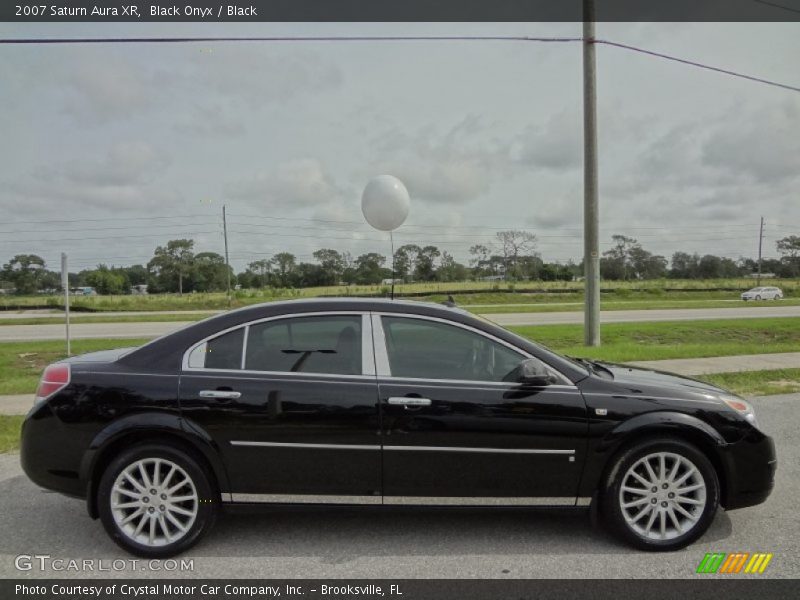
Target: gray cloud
<point>556,145</point>
<point>453,167</point>
<point>762,145</point>
<point>295,184</point>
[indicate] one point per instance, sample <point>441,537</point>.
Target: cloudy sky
<point>108,150</point>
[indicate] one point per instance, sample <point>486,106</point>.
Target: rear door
<point>456,433</point>
<point>291,403</point>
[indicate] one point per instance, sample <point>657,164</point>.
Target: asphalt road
<point>336,542</point>
<point>153,329</point>
<point>661,314</point>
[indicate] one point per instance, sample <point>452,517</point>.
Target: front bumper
<point>750,470</point>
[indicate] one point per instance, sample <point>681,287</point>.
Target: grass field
<point>758,383</point>
<point>623,342</point>
<point>21,363</point>
<point>495,293</point>
<point>107,319</point>
<point>9,432</point>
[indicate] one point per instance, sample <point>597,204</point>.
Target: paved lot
<point>725,364</point>
<point>152,329</point>
<point>429,543</point>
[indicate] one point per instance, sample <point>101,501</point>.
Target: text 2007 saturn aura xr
<point>371,402</point>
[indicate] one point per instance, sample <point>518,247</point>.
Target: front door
<point>291,404</point>
<point>456,433</point>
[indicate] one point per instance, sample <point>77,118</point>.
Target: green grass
<point>577,306</point>
<point>758,383</point>
<point>9,432</point>
<point>21,363</point>
<point>623,342</point>
<point>105,319</point>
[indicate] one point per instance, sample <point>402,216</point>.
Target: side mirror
<point>532,372</point>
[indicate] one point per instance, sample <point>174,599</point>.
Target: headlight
<point>743,407</point>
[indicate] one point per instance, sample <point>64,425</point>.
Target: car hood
<point>639,377</point>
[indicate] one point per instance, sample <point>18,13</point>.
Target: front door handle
<point>404,401</point>
<point>220,394</point>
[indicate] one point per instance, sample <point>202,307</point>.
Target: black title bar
<point>398,10</point>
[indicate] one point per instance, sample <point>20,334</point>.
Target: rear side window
<point>223,352</point>
<point>324,344</point>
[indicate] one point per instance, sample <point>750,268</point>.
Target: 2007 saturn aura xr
<point>383,403</point>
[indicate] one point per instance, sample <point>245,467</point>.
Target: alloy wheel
<point>154,502</point>
<point>662,496</point>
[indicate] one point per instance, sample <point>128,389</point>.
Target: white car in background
<point>763,293</point>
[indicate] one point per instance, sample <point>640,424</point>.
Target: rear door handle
<point>223,394</point>
<point>403,401</point>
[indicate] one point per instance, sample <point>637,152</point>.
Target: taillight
<point>54,378</point>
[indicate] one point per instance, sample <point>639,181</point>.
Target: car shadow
<point>35,521</point>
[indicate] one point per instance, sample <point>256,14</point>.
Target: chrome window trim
<point>245,337</point>
<point>328,313</point>
<point>367,349</point>
<point>279,375</point>
<point>406,500</point>
<point>382,354</point>
<point>474,384</point>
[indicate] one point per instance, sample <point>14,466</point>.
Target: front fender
<point>663,421</point>
<point>602,449</point>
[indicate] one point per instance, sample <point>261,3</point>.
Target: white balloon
<point>385,202</point>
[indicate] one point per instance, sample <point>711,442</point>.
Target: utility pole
<point>591,233</point>
<point>760,243</point>
<point>227,264</point>
<point>65,285</point>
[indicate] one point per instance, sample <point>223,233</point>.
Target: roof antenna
<point>450,302</point>
<point>391,243</point>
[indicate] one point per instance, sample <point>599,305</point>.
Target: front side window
<point>319,344</point>
<point>425,349</point>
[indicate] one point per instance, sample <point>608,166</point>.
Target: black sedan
<point>383,403</point>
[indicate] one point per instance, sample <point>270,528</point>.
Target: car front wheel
<point>661,495</point>
<point>156,500</point>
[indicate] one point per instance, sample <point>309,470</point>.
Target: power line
<point>419,38</point>
<point>692,63</point>
<point>282,39</point>
<point>776,5</point>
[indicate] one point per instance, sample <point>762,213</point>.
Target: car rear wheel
<point>661,495</point>
<point>156,500</point>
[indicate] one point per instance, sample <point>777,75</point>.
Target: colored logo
<point>736,562</point>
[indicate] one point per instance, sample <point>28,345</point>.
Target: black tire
<point>611,496</point>
<point>205,507</point>
<point>758,297</point>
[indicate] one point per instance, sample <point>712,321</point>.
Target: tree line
<point>175,267</point>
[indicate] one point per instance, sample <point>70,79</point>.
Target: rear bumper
<point>45,457</point>
<point>750,465</point>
